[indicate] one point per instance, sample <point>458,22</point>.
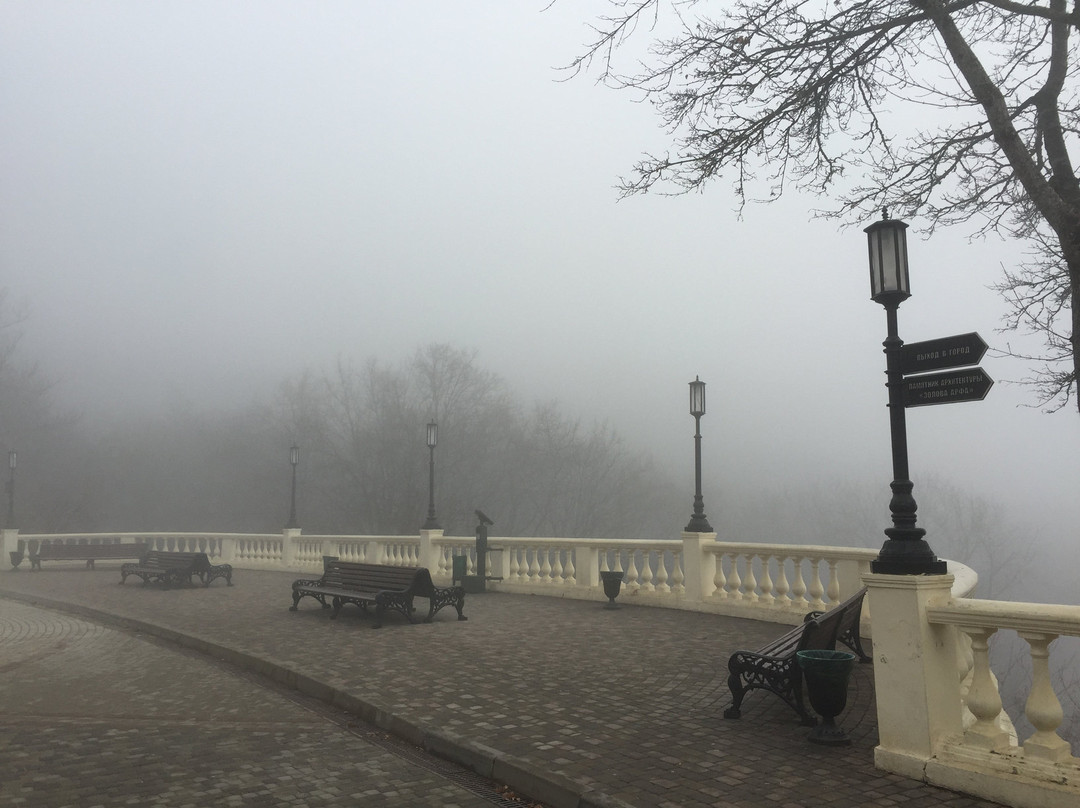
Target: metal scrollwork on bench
<point>449,596</point>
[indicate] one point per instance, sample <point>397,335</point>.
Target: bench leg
<point>448,596</point>
<point>737,692</point>
<point>779,676</point>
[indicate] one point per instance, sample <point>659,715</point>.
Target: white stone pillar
<point>586,566</point>
<point>915,670</point>
<point>10,542</point>
<point>429,552</point>
<point>699,565</point>
<point>289,537</point>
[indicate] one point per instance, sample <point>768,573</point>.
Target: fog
<point>202,199</point>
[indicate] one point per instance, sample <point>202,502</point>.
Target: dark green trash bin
<point>461,568</point>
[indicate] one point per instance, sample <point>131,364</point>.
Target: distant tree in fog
<point>51,493</point>
<point>536,472</point>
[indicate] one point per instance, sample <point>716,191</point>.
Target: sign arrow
<point>971,384</point>
<point>946,352</point>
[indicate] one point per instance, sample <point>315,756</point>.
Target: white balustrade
<point>1045,756</point>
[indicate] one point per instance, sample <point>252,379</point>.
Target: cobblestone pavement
<point>569,703</point>
<point>94,716</point>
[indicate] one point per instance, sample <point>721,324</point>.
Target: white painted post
<point>915,670</point>
<point>700,565</point>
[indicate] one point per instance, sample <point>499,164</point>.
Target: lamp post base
<point>699,524</point>
<point>883,567</point>
<point>910,555</point>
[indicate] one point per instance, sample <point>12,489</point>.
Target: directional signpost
<point>937,354</point>
<point>924,389</point>
<point>970,384</point>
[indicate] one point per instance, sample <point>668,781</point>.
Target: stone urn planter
<point>16,558</point>
<point>827,674</point>
<point>612,586</point>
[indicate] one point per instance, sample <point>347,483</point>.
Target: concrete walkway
<point>139,695</point>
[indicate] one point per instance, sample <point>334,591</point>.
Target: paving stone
<point>627,704</point>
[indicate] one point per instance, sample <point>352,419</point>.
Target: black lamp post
<point>699,523</point>
<point>12,457</point>
<point>432,440</point>
<point>905,551</point>
<point>294,461</point>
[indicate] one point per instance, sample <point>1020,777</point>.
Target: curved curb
<point>523,777</point>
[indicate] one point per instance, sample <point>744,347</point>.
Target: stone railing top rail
<point>149,534</point>
<point>1052,618</point>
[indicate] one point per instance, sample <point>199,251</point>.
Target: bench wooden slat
<point>774,666</point>
<point>385,586</point>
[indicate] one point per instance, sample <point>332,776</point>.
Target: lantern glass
<point>294,454</point>
<point>697,397</point>
<point>887,241</point>
<point>11,459</point>
<point>432,435</point>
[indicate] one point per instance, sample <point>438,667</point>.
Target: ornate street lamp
<point>12,458</point>
<point>294,461</point>
<point>699,523</point>
<point>432,440</point>
<point>905,551</point>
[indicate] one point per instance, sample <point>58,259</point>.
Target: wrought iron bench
<point>384,586</point>
<point>85,552</point>
<point>170,568</point>
<point>775,668</point>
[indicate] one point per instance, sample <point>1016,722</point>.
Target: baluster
<point>678,577</point>
<point>720,579</point>
<point>646,571</point>
<point>557,568</point>
<point>569,571</point>
<point>750,580</point>
<point>618,563</point>
<point>816,587</point>
<point>780,586</point>
<point>545,567</point>
<point>661,573</point>
<point>534,566</point>
<point>734,581</point>
<point>630,580</point>
<point>515,569</point>
<point>834,583</point>
<point>983,698</point>
<point>798,586</point>
<point>766,584</point>
<point>1043,709</point>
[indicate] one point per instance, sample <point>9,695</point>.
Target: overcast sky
<point>200,199</point>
